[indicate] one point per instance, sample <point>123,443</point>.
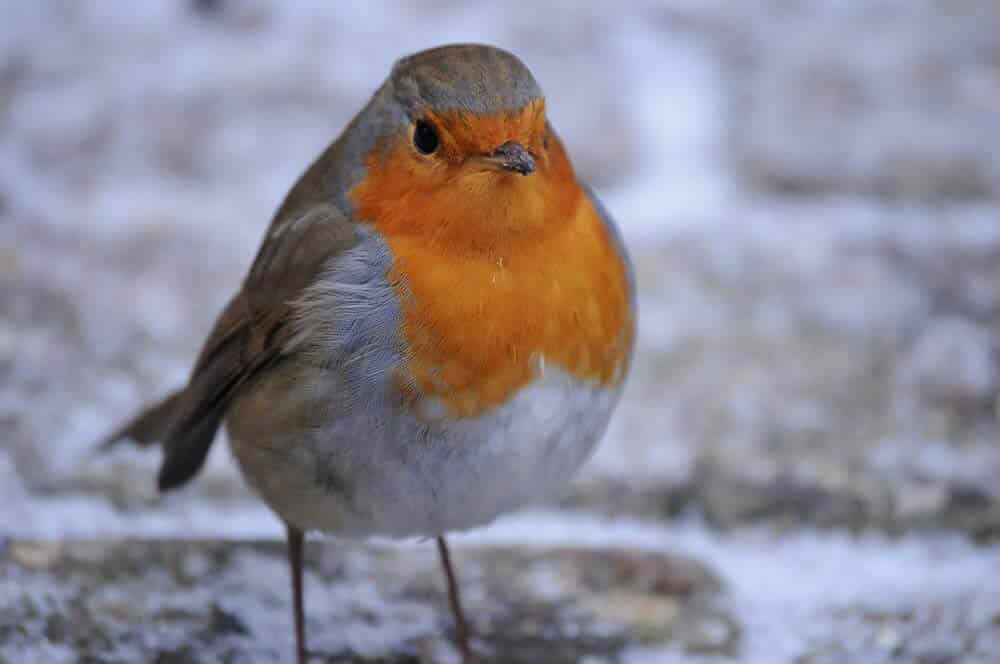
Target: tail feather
<point>185,423</point>
<point>185,451</point>
<point>182,426</point>
<point>148,427</point>
<point>193,426</point>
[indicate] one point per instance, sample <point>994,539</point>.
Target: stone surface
<point>172,601</point>
<point>953,361</point>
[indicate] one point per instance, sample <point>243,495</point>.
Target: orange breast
<point>483,305</point>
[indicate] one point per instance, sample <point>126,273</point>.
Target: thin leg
<point>295,545</point>
<point>461,627</point>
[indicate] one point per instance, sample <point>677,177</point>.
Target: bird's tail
<point>185,423</point>
<point>184,434</point>
<point>148,427</point>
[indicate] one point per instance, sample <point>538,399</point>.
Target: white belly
<point>374,470</point>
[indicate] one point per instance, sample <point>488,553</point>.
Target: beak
<point>512,156</point>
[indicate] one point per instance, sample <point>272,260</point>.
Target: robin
<point>435,330</point>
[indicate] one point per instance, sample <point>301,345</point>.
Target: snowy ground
<point>811,194</point>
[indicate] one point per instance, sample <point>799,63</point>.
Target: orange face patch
<point>464,134</point>
<point>495,271</point>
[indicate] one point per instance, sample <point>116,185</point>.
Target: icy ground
<point>810,191</point>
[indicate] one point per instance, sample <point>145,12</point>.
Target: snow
<point>144,148</point>
<point>790,590</point>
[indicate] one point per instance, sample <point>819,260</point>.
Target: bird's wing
<point>253,332</point>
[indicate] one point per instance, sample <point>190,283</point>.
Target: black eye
<point>425,137</point>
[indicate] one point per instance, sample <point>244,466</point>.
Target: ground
<point>803,468</point>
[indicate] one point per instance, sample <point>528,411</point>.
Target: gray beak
<point>513,157</point>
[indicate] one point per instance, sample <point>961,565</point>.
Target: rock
<point>921,504</point>
<point>960,631</point>
<point>729,497</point>
<point>793,497</point>
<point>37,555</point>
<point>146,601</point>
<point>953,361</point>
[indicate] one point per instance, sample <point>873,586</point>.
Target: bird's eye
<point>425,137</point>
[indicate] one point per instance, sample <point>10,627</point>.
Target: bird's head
<point>462,149</point>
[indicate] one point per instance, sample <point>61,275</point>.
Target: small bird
<point>435,330</point>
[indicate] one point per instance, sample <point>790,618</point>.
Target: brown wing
<point>249,337</point>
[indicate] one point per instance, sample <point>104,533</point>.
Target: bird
<point>435,330</point>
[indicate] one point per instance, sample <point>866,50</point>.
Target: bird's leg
<point>296,541</point>
<point>461,628</point>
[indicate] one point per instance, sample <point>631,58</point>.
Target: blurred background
<point>811,192</point>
